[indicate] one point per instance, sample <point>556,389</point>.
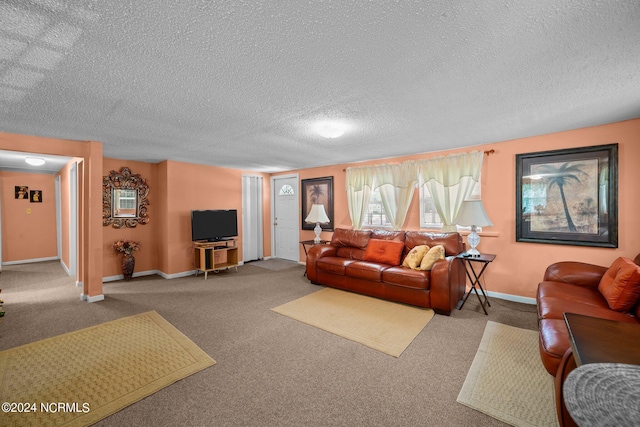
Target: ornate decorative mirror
<point>124,199</point>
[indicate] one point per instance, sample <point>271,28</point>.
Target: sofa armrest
<point>575,273</point>
<point>448,284</point>
<point>316,252</point>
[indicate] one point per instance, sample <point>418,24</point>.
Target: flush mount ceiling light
<point>330,129</point>
<point>35,161</point>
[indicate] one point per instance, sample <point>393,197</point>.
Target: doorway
<point>252,218</point>
<point>284,190</point>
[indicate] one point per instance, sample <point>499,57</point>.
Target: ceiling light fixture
<point>35,161</point>
<point>330,129</point>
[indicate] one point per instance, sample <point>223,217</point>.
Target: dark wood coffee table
<point>595,340</point>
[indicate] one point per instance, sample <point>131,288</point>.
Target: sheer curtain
<point>396,184</point>
<point>450,181</point>
<point>359,183</point>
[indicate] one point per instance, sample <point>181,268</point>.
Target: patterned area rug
<point>382,325</point>
<point>79,378</point>
<point>507,380</point>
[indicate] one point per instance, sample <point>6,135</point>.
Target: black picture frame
<point>22,192</point>
<point>568,197</point>
<point>35,196</point>
<point>317,191</point>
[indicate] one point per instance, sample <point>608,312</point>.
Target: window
<point>286,190</point>
<point>429,217</point>
<point>376,216</point>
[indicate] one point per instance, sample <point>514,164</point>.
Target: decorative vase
<point>128,262</point>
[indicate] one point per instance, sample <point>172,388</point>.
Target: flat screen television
<point>214,225</point>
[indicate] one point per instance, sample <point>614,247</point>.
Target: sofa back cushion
<point>620,285</point>
<point>387,235</point>
<point>452,242</point>
<point>354,238</point>
<point>384,251</point>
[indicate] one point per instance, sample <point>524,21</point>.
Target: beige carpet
<point>83,376</point>
<point>382,325</point>
<point>507,379</point>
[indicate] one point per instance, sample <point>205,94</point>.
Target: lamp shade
<point>472,213</point>
<point>317,215</point>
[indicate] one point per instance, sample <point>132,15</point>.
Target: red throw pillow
<point>620,285</point>
<point>384,251</point>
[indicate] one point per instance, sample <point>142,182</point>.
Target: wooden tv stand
<point>215,256</point>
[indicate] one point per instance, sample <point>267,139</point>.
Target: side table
<point>485,260</point>
<point>311,242</point>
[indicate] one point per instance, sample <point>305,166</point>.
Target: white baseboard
<point>176,275</point>
<point>121,276</point>
<point>79,285</point>
<point>509,297</point>
<point>94,298</point>
<point>29,261</point>
<point>64,267</point>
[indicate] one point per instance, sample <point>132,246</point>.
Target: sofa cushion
<point>433,254</point>
<point>401,276</point>
<point>355,238</point>
<point>452,242</point>
<point>366,270</point>
<point>384,251</point>
<point>414,257</point>
<point>577,293</point>
<point>620,285</point>
<point>387,235</point>
<point>349,252</point>
<point>554,308</point>
<point>333,265</point>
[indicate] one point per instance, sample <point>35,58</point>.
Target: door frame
<point>273,208</point>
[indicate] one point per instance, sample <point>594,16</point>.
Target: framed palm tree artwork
<point>568,197</point>
<point>317,191</point>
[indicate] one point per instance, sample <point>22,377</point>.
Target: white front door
<point>285,218</point>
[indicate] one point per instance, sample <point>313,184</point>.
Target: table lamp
<point>472,214</point>
<point>317,215</point>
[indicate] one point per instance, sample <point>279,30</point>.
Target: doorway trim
<point>273,206</point>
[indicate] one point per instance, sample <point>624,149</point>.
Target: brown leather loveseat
<point>576,287</point>
<point>591,290</point>
<point>343,264</point>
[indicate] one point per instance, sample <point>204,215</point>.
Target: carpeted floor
<point>382,325</point>
<point>97,370</point>
<point>507,379</point>
<point>270,370</point>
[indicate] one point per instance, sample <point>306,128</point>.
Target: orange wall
<point>146,234</point>
<point>191,187</point>
<point>28,229</point>
<point>90,204</point>
<point>519,266</point>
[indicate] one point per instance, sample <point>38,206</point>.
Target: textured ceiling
<point>241,83</point>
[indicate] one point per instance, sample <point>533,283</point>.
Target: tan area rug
<point>507,380</point>
<point>79,378</point>
<point>382,325</point>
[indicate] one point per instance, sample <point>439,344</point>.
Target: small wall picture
<point>35,196</point>
<point>22,192</point>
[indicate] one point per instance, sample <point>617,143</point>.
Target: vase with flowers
<point>127,247</point>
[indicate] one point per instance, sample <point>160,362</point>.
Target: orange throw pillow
<point>384,251</point>
<point>620,285</point>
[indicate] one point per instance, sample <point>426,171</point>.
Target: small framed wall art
<point>22,192</point>
<point>568,197</point>
<point>35,196</point>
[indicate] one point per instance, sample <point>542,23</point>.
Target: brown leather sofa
<point>341,264</point>
<point>571,287</point>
